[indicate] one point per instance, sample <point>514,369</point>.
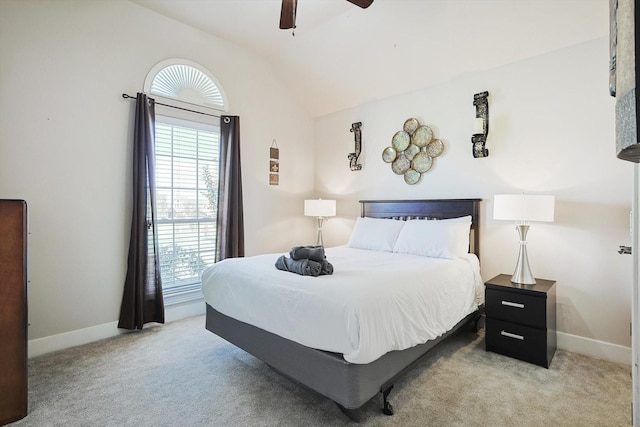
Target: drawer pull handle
<point>510,335</point>
<point>513,304</point>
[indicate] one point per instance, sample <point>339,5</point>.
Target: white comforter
<point>374,302</point>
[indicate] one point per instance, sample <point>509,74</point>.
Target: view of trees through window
<point>186,199</point>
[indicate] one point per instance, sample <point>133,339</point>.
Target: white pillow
<point>459,219</point>
<point>377,234</point>
<point>435,238</point>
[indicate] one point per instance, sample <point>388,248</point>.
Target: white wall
<point>65,145</point>
<point>552,131</point>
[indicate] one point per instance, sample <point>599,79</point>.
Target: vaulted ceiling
<point>342,56</point>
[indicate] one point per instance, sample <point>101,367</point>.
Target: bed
<point>346,358</point>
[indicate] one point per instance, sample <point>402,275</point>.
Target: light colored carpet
<point>180,374</point>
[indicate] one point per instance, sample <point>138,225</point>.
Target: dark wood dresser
<point>521,319</point>
<point>13,310</point>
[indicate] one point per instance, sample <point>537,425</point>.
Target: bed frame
<point>351,385</point>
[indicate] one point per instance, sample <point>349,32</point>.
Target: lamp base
<point>522,275</point>
<point>319,241</point>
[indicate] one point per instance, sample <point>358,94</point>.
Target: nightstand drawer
<point>516,307</point>
<point>521,342</point>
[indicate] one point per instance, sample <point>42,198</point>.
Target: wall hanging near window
<point>353,157</point>
<point>274,164</point>
<point>412,151</point>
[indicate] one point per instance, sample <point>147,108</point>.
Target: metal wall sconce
<point>480,125</point>
<point>353,157</point>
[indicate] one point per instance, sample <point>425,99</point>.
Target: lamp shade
<point>523,207</point>
<point>320,208</point>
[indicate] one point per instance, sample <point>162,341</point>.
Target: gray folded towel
<point>314,253</point>
<point>327,267</point>
<point>303,267</point>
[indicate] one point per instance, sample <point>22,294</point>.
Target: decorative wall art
<point>353,157</point>
<point>481,125</point>
<point>625,77</point>
<point>412,151</point>
<point>274,164</point>
<point>613,44</point>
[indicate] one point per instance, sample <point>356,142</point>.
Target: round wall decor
<point>412,151</point>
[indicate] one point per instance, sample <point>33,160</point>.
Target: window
<point>186,199</point>
<point>187,156</point>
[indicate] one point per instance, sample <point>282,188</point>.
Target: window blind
<point>187,159</point>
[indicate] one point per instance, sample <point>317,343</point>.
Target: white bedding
<point>374,302</point>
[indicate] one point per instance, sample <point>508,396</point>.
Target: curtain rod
<point>125,96</point>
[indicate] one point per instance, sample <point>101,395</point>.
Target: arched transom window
<point>185,81</point>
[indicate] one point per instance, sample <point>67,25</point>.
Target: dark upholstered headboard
<point>428,209</point>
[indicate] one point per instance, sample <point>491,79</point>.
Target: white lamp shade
<point>320,208</point>
<point>523,207</point>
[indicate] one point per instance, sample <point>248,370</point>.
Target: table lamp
<point>523,208</point>
<point>320,209</point>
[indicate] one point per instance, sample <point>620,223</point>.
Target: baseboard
<point>40,346</point>
<point>184,309</point>
<point>594,348</point>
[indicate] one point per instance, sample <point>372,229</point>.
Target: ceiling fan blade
<point>287,14</point>
<point>362,3</point>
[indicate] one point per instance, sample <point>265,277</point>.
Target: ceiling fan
<point>288,11</point>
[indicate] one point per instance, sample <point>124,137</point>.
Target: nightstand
<point>521,319</point>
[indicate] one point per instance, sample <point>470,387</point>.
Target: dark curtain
<point>230,214</point>
<point>142,298</point>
